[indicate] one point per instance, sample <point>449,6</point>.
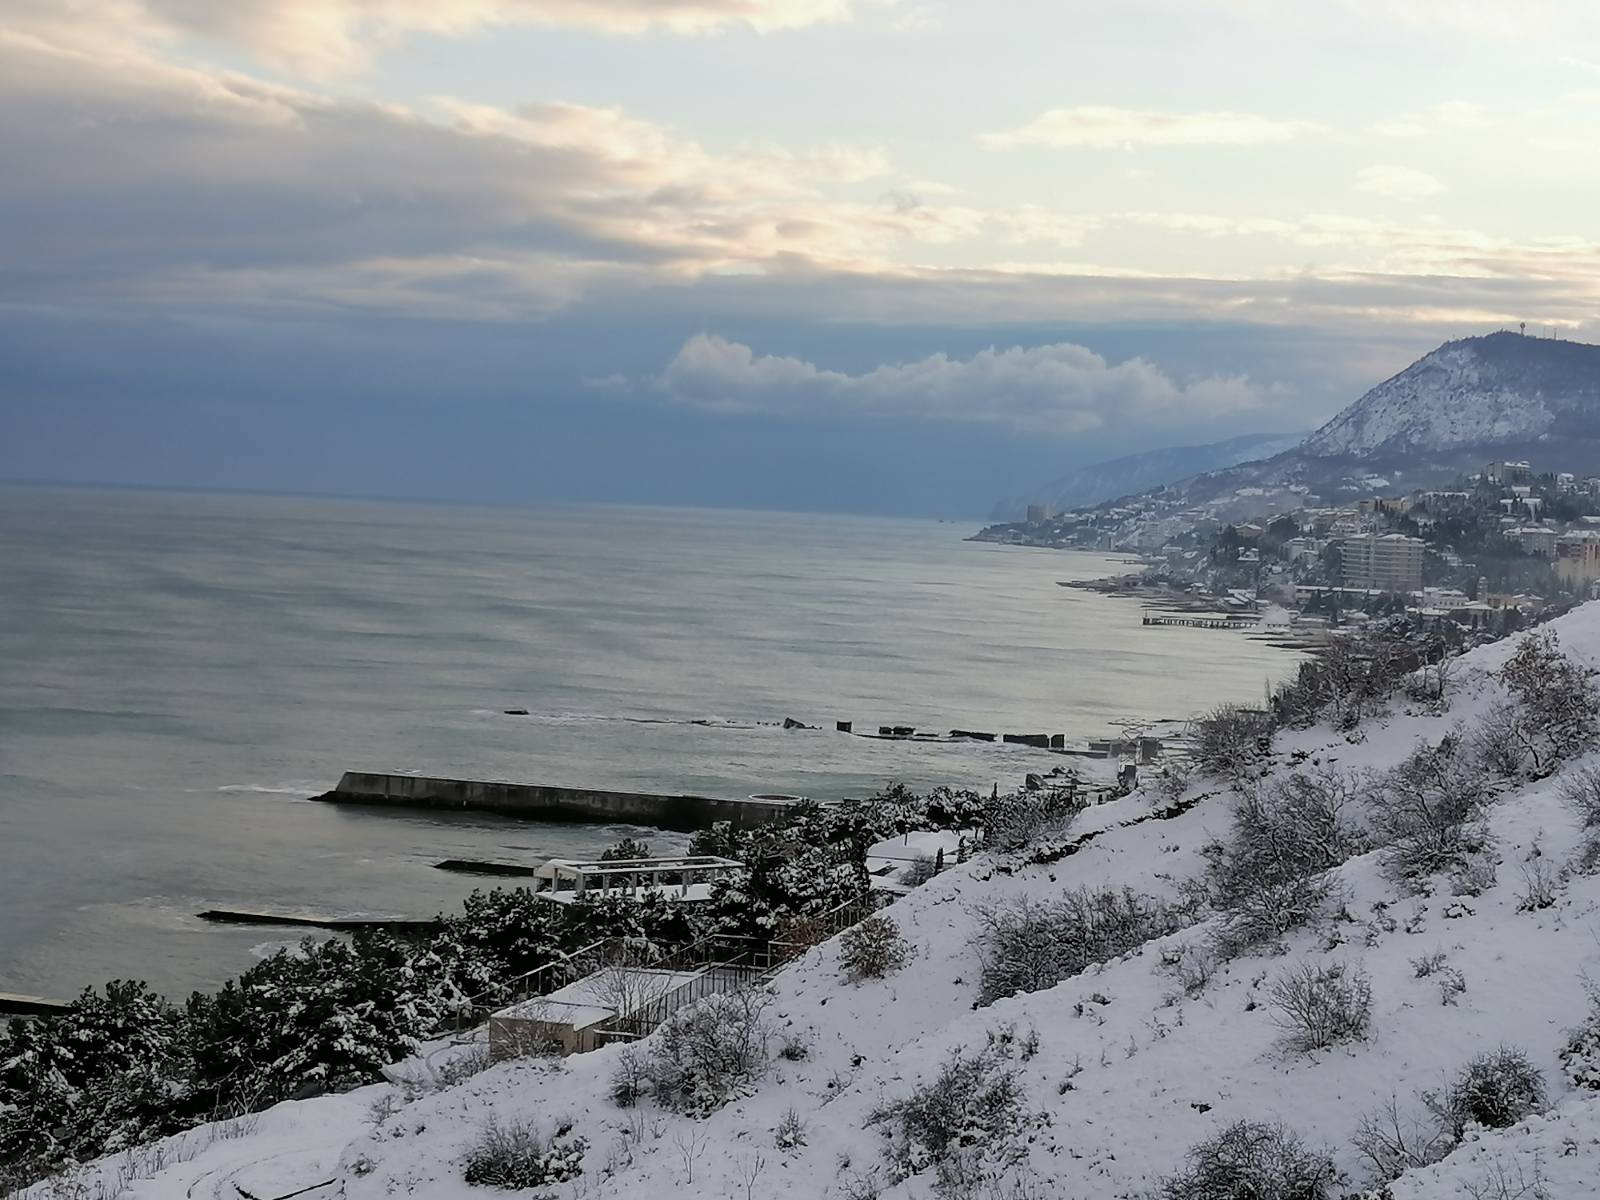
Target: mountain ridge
<point>1102,481</point>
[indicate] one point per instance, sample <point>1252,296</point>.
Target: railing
<point>718,964</point>
<point>540,981</point>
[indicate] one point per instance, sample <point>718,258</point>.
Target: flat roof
<point>694,893</point>
<point>587,1001</point>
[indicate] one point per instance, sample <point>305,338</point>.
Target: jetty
<point>473,866</point>
<point>251,916</point>
<point>1205,622</point>
<point>15,1004</point>
<point>540,802</point>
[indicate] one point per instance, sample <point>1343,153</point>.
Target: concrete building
<point>1509,472</point>
<point>1578,557</point>
<point>1038,514</point>
<point>1534,539</point>
<point>1389,562</point>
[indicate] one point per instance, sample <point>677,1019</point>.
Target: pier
<point>543,803</point>
<point>250,916</point>
<point>1204,622</point>
<point>14,1004</point>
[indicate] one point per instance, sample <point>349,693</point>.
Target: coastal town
<point>1493,551</point>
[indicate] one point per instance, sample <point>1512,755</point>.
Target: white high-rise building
<point>1388,562</point>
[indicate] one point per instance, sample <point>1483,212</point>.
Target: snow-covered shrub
<point>1497,740</point>
<point>1428,811</point>
<point>517,1156</point>
<point>103,1076</point>
<point>1580,1056</point>
<point>1475,876</point>
<point>709,1052</point>
<point>625,849</point>
<point>1259,1161</point>
<point>1018,819</point>
<point>1318,1006</point>
<point>1192,966</point>
<point>1393,1142</point>
<point>791,1130</point>
<point>1027,945</point>
<point>921,869</point>
<point>1580,792</point>
<point>871,949</point>
<point>629,1077</point>
<point>1538,886</point>
<point>1494,1090</point>
<point>1168,784</point>
<point>962,1120</point>
<point>1557,703</point>
<point>1512,1181</point>
<point>1352,679</point>
<point>1270,875</point>
<point>1231,741</point>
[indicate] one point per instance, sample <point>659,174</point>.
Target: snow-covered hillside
<point>1102,481</point>
<point>1119,1070</point>
<point>1486,391</point>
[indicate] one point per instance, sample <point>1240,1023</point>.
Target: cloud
<point>1397,182</point>
<point>130,176</point>
<point>323,38</point>
<point>1103,128</point>
<point>1055,389</point>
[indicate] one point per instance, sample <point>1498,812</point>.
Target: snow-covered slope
<point>1091,485</point>
<point>1480,392</point>
<point>1128,1071</point>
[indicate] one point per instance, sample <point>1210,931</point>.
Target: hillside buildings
<point>1578,557</point>
<point>1385,562</point>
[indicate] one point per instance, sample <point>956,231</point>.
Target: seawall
<point>541,803</point>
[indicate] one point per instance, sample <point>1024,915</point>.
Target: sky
<point>836,255</point>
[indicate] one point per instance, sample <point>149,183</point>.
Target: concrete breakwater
<point>543,803</point>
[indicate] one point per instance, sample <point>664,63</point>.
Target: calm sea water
<point>179,672</point>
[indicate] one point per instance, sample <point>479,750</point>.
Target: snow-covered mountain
<point>1102,481</point>
<point>1106,1078</point>
<point>1477,393</point>
<point>1499,396</point>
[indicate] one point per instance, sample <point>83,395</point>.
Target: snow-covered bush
<point>791,1131</point>
<point>1556,712</point>
<point>1494,1090</point>
<point>921,869</point>
<point>1428,811</point>
<point>1580,1056</point>
<point>1352,679</point>
<point>1270,875</point>
<point>709,1052</point>
<point>516,1156</point>
<point>871,949</point>
<point>105,1075</point>
<point>1318,1006</point>
<point>1231,741</point>
<point>958,1123</point>
<point>1259,1161</point>
<point>1018,819</point>
<point>1168,784</point>
<point>1393,1142</point>
<point>1027,945</point>
<point>1580,792</point>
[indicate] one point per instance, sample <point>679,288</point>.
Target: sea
<point>179,673</point>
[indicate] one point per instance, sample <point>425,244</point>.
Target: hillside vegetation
<point>1327,962</point>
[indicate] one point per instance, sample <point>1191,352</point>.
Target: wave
<point>286,789</point>
<point>591,718</point>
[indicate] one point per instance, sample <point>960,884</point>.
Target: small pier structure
<point>685,879</point>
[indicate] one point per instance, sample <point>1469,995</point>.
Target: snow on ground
<point>1129,1072</point>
